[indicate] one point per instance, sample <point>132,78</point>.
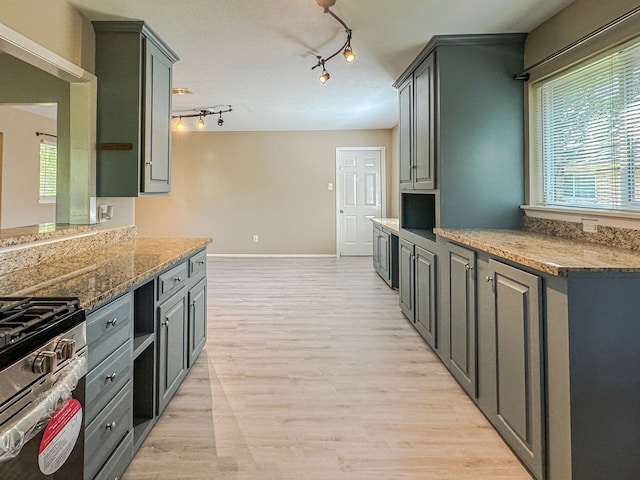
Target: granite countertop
<point>392,224</point>
<point>97,275</point>
<point>546,253</point>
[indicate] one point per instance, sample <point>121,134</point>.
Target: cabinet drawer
<point>107,430</point>
<point>198,264</point>
<point>119,461</point>
<point>171,280</point>
<point>107,379</point>
<point>108,328</point>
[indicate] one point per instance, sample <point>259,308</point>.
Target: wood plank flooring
<point>311,372</point>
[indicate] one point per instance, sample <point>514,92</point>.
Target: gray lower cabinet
<point>513,366</point>
<point>385,255</point>
<point>108,413</point>
<point>172,347</point>
<point>407,281</point>
<point>460,324</point>
<point>140,347</point>
<point>197,297</point>
<point>426,293</point>
<point>418,289</point>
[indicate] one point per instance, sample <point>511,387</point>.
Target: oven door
<point>46,439</point>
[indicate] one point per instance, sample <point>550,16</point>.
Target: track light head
<point>220,120</point>
<point>349,56</point>
<point>200,123</point>
<point>180,124</point>
<point>324,76</point>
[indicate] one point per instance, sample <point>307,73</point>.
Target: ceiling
<point>257,54</point>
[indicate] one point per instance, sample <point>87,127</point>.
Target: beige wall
<point>231,186</point>
<point>574,22</point>
<point>21,168</point>
<point>54,24</point>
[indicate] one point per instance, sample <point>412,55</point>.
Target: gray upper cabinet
<point>405,133</point>
<point>134,70</point>
<point>424,125</point>
<point>416,97</point>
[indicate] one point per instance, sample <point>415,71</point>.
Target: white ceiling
<point>257,54</point>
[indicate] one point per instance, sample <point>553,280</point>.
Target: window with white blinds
<point>588,135</point>
<point>48,171</point>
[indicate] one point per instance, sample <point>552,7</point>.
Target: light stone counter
<point>554,255</point>
<point>391,224</point>
<point>99,274</point>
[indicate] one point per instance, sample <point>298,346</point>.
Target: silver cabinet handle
<point>112,322</point>
<point>468,267</point>
<point>488,278</point>
<point>112,377</point>
<point>110,426</point>
<point>166,322</point>
<point>201,262</point>
<point>193,303</point>
<point>341,211</point>
<point>177,279</point>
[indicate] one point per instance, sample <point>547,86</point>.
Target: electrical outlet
<point>256,239</point>
<point>589,225</point>
<point>330,187</point>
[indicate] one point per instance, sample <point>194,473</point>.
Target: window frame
<point>46,199</point>
<point>535,205</point>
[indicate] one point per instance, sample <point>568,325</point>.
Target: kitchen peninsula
<point>145,300</point>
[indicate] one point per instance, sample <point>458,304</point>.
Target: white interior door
<point>360,178</point>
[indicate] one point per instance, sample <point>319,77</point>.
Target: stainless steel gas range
<point>42,388</point>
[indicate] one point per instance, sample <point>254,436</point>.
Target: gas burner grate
<point>23,316</point>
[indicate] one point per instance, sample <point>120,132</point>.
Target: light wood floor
<point>311,372</point>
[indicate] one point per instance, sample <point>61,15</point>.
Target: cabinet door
<point>518,414</point>
<point>197,319</point>
<point>406,279</point>
<point>157,122</point>
<point>425,288</point>
<point>405,133</point>
<point>376,248</point>
<point>461,357</point>
<point>424,125</point>
<point>383,256</point>
<point>172,362</point>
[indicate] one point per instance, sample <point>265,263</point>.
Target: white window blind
<point>48,169</point>
<point>588,134</point>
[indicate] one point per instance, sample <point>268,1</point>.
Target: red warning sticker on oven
<point>60,437</point>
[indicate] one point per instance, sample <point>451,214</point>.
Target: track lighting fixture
<point>200,114</point>
<point>346,49</point>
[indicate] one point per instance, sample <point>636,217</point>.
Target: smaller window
<point>48,169</point>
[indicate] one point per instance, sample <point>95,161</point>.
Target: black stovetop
<point>26,323</point>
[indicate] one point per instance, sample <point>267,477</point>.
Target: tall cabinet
<point>134,70</point>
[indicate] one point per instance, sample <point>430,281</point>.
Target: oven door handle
<point>33,419</point>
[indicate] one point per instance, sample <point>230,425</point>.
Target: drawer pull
<point>111,377</point>
<point>468,267</point>
<point>112,322</point>
<point>201,262</point>
<point>111,426</point>
<point>166,322</point>
<point>193,303</point>
<point>488,278</point>
<point>177,279</point>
